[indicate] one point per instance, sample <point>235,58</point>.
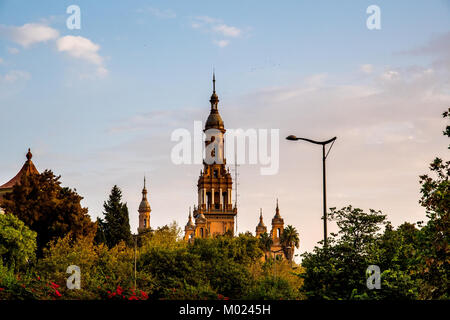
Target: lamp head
<point>292,138</point>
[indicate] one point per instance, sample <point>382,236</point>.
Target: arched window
<point>278,232</point>
<point>201,232</point>
<point>145,223</point>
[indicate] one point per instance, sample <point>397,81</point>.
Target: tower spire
<point>214,98</point>
<point>277,211</point>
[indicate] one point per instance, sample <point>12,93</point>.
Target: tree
<point>117,224</point>
<point>265,243</point>
<point>289,240</point>
<point>435,234</point>
<point>17,242</point>
<point>100,236</point>
<point>338,270</point>
<point>49,209</point>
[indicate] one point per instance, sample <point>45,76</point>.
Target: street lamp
<point>324,157</point>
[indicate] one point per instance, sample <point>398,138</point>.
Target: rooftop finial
<point>214,80</point>
<point>144,190</point>
<point>29,154</point>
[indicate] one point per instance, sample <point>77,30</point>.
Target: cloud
<point>14,76</point>
<point>163,14</point>
<point>13,50</point>
<point>438,48</point>
<point>29,33</point>
<point>217,27</point>
<point>74,46</point>
<point>84,49</point>
<point>366,68</point>
<point>227,31</point>
<point>221,43</point>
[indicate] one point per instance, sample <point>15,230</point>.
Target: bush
<point>17,242</point>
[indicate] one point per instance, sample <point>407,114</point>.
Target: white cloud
<point>227,31</point>
<point>216,26</point>
<point>29,33</point>
<point>164,14</point>
<point>221,43</point>
<point>390,75</point>
<point>84,49</point>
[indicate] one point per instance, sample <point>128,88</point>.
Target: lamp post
<point>324,157</point>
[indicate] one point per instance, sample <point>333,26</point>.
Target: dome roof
<point>190,225</point>
<point>261,223</point>
<point>214,121</point>
<point>145,205</point>
<point>277,219</point>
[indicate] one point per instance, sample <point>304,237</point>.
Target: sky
<point>97,105</point>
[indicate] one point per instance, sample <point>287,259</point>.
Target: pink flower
<point>54,285</point>
<point>119,290</point>
<point>144,295</point>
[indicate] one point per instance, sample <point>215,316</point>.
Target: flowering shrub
<point>127,294</point>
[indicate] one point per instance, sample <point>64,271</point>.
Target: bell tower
<point>261,227</point>
<point>277,229</point>
<point>215,213</point>
<point>144,212</point>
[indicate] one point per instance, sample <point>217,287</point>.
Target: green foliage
<point>168,236</point>
<point>336,271</point>
<point>435,234</point>
<point>273,288</point>
<point>289,241</point>
<point>265,243</point>
<point>101,268</point>
<point>205,269</point>
<point>116,225</point>
<point>17,242</point>
<point>48,209</point>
